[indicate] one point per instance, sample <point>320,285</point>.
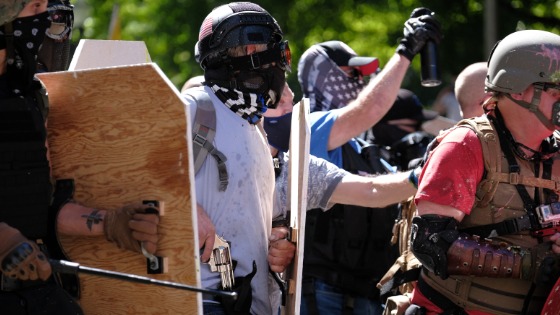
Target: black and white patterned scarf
<point>324,83</point>
<point>249,106</point>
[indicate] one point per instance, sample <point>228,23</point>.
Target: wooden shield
<point>552,304</point>
<point>121,134</point>
<point>298,179</point>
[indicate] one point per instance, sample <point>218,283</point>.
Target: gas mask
<point>262,73</point>
<point>267,82</point>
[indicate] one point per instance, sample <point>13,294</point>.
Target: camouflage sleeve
<point>9,9</point>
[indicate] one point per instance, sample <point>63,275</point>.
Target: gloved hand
<point>131,225</point>
<point>21,258</point>
<point>421,27</point>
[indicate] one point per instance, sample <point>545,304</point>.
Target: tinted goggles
<point>278,53</point>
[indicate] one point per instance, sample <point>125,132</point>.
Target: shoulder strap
<point>203,132</point>
<point>491,153</point>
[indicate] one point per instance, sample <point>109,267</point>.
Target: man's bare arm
<point>377,191</point>
<point>373,102</point>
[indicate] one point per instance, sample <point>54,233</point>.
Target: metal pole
<point>64,266</point>
<point>490,26</point>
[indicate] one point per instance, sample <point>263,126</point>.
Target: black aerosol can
<point>429,61</point>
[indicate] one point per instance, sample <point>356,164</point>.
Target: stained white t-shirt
<point>243,213</point>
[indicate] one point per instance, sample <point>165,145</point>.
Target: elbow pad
<point>430,238</point>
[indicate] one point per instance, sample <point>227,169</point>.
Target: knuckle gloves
<point>20,258</point>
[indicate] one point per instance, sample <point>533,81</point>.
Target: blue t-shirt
<point>321,125</point>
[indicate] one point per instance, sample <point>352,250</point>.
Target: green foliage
<point>170,29</point>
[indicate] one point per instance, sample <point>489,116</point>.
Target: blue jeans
<point>330,301</point>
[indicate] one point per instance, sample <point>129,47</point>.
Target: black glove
<point>420,28</point>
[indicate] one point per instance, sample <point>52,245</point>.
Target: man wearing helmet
<point>244,59</point>
<point>486,230</point>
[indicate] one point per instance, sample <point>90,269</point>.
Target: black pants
<point>46,299</point>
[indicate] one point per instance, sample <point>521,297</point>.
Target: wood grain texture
<point>120,133</point>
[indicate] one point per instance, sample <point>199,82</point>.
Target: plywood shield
<point>121,134</point>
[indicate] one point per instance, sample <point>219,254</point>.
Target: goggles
<point>62,18</point>
<point>278,53</point>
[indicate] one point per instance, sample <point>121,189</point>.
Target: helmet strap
<point>533,107</point>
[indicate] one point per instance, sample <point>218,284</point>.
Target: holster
<point>241,305</point>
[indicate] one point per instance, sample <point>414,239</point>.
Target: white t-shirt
<point>243,213</point>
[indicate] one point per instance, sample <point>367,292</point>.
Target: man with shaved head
<point>469,89</point>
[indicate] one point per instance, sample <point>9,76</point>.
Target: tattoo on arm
<point>93,218</point>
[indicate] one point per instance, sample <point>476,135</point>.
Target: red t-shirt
<point>450,177</point>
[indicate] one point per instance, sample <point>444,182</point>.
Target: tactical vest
<point>497,200</point>
<point>25,187</point>
<point>349,246</point>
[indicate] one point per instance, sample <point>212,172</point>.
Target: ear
<point>517,96</point>
<point>527,94</point>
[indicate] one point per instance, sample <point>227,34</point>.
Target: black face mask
<point>267,82</point>
<point>278,131</point>
<point>30,31</point>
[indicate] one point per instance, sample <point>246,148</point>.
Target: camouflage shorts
<point>9,9</point>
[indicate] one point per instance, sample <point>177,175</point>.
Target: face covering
<point>267,82</point>
<point>30,31</point>
<point>248,106</point>
<point>324,83</point>
<point>278,131</point>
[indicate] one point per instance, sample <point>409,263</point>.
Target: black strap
<point>399,278</point>
<point>506,227</point>
<point>9,35</point>
<point>505,144</point>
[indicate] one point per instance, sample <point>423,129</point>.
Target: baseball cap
<point>343,55</point>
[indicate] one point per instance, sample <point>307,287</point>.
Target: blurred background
<point>372,28</point>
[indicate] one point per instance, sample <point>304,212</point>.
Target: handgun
<point>220,261</point>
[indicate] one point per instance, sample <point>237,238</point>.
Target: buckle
<point>514,178</point>
<point>255,57</point>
